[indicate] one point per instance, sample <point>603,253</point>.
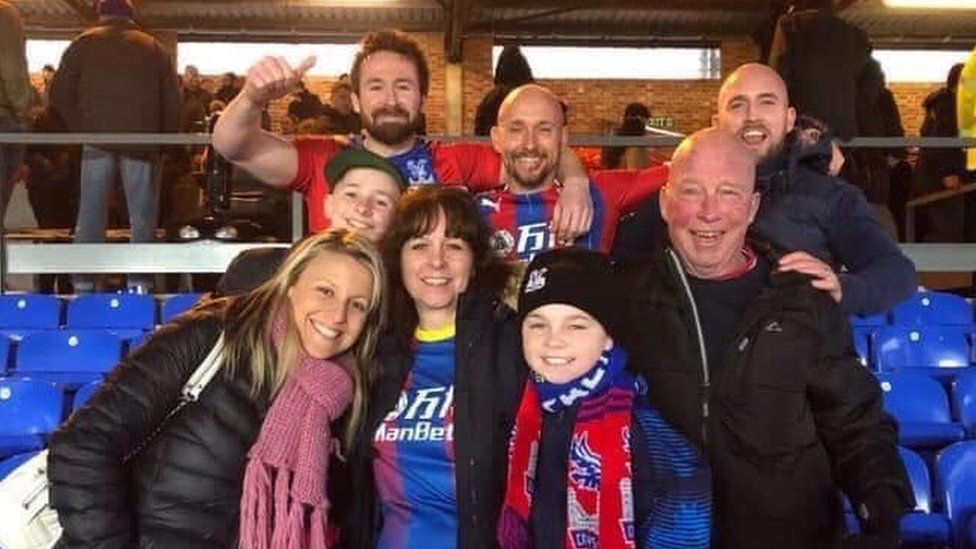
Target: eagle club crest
<point>584,464</point>
<point>419,172</point>
<point>536,280</point>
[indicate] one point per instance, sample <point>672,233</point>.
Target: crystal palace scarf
<point>599,504</point>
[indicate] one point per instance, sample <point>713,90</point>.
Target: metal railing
<point>210,257</point>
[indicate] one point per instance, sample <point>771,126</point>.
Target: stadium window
<point>237,57</point>
<point>221,57</point>
<point>44,52</point>
<point>918,65</point>
<point>602,63</point>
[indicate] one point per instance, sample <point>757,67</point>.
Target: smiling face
<point>753,105</point>
<point>363,201</point>
<point>562,342</point>
<point>530,137</point>
<point>436,270</point>
<point>330,303</point>
<point>709,202</point>
<point>389,98</point>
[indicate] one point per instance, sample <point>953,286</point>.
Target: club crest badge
<point>536,280</point>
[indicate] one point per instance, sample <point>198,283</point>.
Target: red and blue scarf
<point>600,509</point>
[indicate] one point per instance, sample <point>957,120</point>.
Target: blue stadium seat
<point>29,411</point>
<point>72,357</point>
<point>873,320</point>
<point>13,462</point>
<point>21,314</point>
<point>921,526</point>
<point>84,393</point>
<point>30,311</point>
<point>127,315</point>
<point>862,338</point>
<point>177,304</point>
<point>921,407</point>
<point>4,356</point>
<point>940,350</point>
<point>956,473</point>
<point>964,401</point>
<point>932,308</point>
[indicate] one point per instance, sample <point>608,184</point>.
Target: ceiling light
<point>932,4</point>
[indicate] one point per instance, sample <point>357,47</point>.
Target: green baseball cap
<point>360,158</point>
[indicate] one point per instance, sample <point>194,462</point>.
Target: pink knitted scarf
<point>284,503</point>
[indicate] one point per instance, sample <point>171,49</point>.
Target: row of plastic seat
<point>955,484</point>
<point>37,408</point>
<point>69,357</point>
<point>926,419</point>
<point>28,312</point>
<point>942,350</point>
<point>924,308</point>
<point>32,409</point>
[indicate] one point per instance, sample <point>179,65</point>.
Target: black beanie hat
<point>581,278</point>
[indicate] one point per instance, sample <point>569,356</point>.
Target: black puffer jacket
<point>183,490</point>
<point>789,417</point>
<point>489,376</point>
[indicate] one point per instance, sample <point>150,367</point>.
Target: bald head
<point>718,147</point>
<point>530,137</point>
<point>709,202</point>
<point>753,104</point>
<point>532,97</point>
<point>752,74</point>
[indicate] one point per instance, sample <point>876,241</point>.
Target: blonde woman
<point>246,464</point>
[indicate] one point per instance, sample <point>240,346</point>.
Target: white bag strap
<point>204,373</point>
<point>189,393</point>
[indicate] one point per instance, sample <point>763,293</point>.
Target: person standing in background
<point>512,71</point>
<point>942,169</point>
<point>15,95</point>
<point>117,78</point>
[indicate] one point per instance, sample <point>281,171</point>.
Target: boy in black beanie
<point>590,463</point>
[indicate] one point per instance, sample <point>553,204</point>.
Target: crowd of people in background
<point>850,98</point>
<point>472,348</point>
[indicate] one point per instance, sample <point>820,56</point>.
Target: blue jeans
<point>99,171</point>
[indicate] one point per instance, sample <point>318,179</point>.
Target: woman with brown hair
<point>429,469</point>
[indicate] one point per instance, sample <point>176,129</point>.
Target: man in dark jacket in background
<point>757,367</point>
<point>116,78</point>
<point>942,169</point>
<point>821,57</point>
<point>15,95</point>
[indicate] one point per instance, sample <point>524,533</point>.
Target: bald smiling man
<point>823,223</point>
<point>755,365</point>
<point>531,137</point>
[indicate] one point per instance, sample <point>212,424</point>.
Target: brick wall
<point>909,98</point>
<point>596,106</point>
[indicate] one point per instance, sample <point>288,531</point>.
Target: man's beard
<point>390,133</point>
<point>531,182</point>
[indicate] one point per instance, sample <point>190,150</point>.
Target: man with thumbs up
<point>390,80</point>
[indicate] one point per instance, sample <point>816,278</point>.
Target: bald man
<point>531,137</point>
<point>826,222</point>
<point>756,366</point>
<point>803,209</point>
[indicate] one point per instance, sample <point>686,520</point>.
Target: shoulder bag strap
<point>190,392</point>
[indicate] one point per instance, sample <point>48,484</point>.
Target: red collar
<point>751,259</point>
